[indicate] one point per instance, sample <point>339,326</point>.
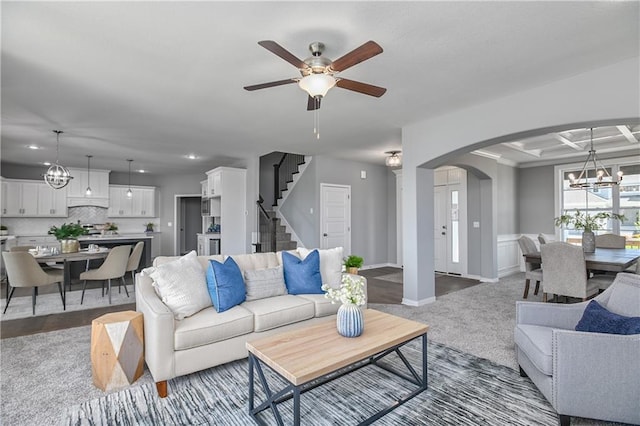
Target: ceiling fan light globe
<point>317,84</point>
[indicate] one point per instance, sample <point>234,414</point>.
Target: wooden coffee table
<point>312,356</point>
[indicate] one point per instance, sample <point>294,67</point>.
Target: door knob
<point>325,235</point>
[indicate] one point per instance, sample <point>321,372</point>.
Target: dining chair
<point>114,266</point>
<point>134,260</point>
<point>23,270</point>
<point>532,270</point>
<point>21,248</point>
<point>565,272</point>
<point>542,238</point>
<point>610,241</point>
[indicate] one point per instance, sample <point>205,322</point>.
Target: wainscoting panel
<point>509,255</point>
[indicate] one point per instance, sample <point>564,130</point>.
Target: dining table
<point>67,258</point>
<point>603,259</point>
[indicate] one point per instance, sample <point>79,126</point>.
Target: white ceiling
<point>154,81</point>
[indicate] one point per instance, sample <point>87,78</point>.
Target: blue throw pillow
<point>302,276</point>
<point>225,283</point>
<point>598,319</point>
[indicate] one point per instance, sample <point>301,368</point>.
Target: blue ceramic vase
<point>350,321</point>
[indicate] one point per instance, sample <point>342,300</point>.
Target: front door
<point>449,219</point>
<point>335,218</point>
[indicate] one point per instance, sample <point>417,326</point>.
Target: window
<point>630,201</point>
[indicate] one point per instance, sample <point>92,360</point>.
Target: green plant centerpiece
<point>68,235</point>
<point>588,223</point>
<point>352,263</point>
<point>4,230</point>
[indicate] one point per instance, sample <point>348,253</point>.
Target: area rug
<point>463,390</point>
<point>395,277</point>
<point>51,303</point>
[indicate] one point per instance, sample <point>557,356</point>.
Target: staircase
<point>273,234</point>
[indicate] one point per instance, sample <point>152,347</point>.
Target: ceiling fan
<point>319,72</point>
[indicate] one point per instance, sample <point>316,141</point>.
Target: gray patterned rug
<point>463,390</point>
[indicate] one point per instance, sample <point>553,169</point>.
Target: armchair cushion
<point>226,286</point>
<point>598,319</point>
<point>302,276</point>
<point>535,341</point>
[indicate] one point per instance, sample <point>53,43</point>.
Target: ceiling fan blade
<point>270,84</point>
<point>360,87</point>
<point>313,103</point>
<point>276,49</point>
<point>357,55</point>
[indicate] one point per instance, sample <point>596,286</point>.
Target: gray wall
<point>392,241</point>
<point>369,205</point>
<point>507,196</point>
<point>535,200</point>
<point>474,214</point>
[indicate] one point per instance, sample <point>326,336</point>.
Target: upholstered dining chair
<point>565,272</point>
<point>542,238</point>
<point>21,248</point>
<point>23,270</point>
<point>532,270</point>
<point>610,241</point>
<point>114,266</point>
<point>134,260</point>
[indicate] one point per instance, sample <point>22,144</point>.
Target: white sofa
<point>177,347</point>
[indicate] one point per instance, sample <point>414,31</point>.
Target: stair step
<point>290,245</point>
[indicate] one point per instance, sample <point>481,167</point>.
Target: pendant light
<point>57,176</point>
<point>129,192</point>
<point>88,190</point>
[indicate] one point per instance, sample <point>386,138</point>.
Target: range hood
<point>85,201</point>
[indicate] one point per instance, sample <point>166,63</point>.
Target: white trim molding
<point>421,302</point>
<point>509,255</point>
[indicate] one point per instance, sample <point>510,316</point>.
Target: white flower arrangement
<point>351,291</point>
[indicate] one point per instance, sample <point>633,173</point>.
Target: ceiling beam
<point>627,134</point>
<point>567,142</point>
<point>518,147</point>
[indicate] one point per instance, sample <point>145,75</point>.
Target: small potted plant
<point>149,227</point>
<point>68,235</point>
<point>4,230</point>
<point>588,223</point>
<point>352,263</point>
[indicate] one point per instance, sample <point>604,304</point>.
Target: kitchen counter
<point>118,240</point>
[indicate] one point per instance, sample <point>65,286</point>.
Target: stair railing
<point>266,240</point>
<point>283,173</point>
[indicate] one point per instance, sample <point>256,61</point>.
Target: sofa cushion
<point>209,326</point>
<point>250,262</point>
<point>535,341</point>
<point>302,276</point>
<point>597,319</point>
<point>181,285</point>
<point>225,284</point>
<point>263,283</point>
<point>278,311</point>
<point>203,260</point>
<point>323,306</point>
<point>330,264</point>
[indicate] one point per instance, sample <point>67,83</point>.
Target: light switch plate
<point>363,174</point>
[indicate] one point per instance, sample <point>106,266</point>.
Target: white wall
<point>604,96</point>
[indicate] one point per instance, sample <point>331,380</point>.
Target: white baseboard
<point>420,302</point>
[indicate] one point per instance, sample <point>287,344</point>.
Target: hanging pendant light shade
<point>57,176</point>
<point>88,190</point>
<point>603,178</point>
<point>129,192</point>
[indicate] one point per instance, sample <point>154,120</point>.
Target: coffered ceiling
<point>155,81</point>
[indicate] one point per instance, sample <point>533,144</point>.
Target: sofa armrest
<point>366,295</point>
<point>158,330</point>
<point>549,314</point>
<point>596,375</point>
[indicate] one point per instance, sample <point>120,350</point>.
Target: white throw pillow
<point>182,285</point>
<point>330,264</point>
<point>263,283</point>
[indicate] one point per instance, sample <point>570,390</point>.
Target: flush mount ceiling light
<point>393,160</point>
<point>602,176</point>
<point>57,176</point>
<point>88,190</point>
<point>129,192</point>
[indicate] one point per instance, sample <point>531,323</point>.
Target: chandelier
<point>57,176</point>
<point>393,160</point>
<point>603,178</point>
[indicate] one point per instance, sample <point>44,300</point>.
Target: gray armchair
<point>592,375</point>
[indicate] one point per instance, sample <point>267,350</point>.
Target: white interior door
<point>335,217</point>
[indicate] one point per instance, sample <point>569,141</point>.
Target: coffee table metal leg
<point>296,406</point>
<point>251,390</point>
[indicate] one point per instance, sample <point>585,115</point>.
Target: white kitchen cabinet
<point>99,183</point>
<point>229,207</point>
<point>51,202</point>
<point>201,245</point>
<point>141,203</point>
<point>20,198</point>
<point>204,188</point>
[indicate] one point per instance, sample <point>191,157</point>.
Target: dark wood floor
<point>379,291</point>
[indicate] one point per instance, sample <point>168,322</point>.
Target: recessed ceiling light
<point>142,171</point>
<point>192,156</point>
<point>32,147</point>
